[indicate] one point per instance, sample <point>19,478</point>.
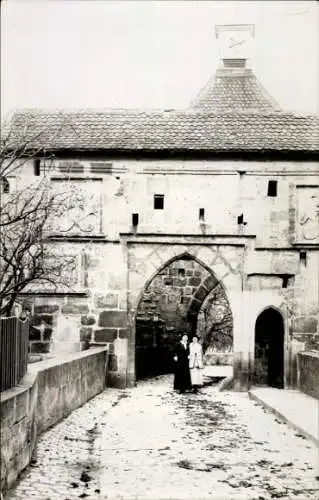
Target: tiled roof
<point>234,90</point>
<point>189,130</point>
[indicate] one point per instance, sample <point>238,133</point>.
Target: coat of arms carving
<point>307,221</point>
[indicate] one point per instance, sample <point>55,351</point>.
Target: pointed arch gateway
<point>169,306</point>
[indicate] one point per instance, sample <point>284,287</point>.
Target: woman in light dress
<point>196,363</point>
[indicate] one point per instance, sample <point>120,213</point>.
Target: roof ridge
<point>162,112</point>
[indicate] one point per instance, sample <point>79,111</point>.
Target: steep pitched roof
<point>189,130</point>
<point>233,112</point>
<point>234,90</point>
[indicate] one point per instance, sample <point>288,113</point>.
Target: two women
<point>188,365</point>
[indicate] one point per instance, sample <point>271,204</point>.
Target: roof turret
<point>234,87</point>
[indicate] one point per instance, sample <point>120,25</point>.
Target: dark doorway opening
<point>154,349</point>
<point>269,349</point>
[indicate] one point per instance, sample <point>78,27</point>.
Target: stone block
<point>210,282</point>
<point>123,333</point>
<point>75,309</point>
<point>189,272</point>
<point>188,290</point>
<point>21,406</point>
<point>179,281</point>
<point>120,347</point>
<point>7,413</point>
<point>46,318</point>
<point>85,334</point>
<point>197,273</point>
<point>46,309</point>
<point>34,334</point>
<point>194,281</point>
<point>105,335</point>
<point>172,272</point>
<point>163,300</point>
<point>88,320</point>
<point>36,320</point>
<point>115,319</point>
<point>47,334</point>
<point>109,301</point>
<point>27,305</point>
<point>113,366</point>
<point>119,380</point>
<point>306,324</point>
<point>201,293</point>
<point>186,300</point>
<point>312,343</point>
<point>122,300</point>
<point>309,373</point>
<point>168,281</point>
<point>40,347</point>
<point>163,272</point>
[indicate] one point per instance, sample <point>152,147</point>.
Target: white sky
<point>149,54</point>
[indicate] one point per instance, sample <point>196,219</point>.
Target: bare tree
<point>26,214</point>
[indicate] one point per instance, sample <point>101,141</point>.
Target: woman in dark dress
<point>182,379</point>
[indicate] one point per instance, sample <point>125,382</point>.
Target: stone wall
<point>95,313</point>
<point>277,250</point>
<point>49,392</point>
<point>308,373</point>
<point>171,293</point>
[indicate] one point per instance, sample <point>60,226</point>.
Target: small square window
<point>285,281</point>
<point>158,201</point>
<point>37,167</point>
<point>201,214</point>
<point>5,185</point>
<point>181,272</point>
<point>240,219</point>
<point>135,219</point>
<point>272,188</point>
<point>303,257</point>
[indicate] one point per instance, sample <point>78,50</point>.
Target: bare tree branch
<point>26,218</point>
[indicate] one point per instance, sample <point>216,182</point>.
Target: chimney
<point>235,44</point>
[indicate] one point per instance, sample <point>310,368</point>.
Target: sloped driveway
<point>151,443</point>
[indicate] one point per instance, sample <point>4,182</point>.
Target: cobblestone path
<point>151,443</point>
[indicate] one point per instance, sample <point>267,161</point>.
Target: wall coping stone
<point>34,368</point>
<point>312,354</point>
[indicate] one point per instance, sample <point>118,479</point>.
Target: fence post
<point>17,353</point>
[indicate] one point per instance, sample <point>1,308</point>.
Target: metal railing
<point>14,339</point>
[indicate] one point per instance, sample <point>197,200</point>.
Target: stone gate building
<point>198,220</point>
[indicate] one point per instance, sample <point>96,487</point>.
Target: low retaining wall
<point>49,392</point>
<point>308,373</point>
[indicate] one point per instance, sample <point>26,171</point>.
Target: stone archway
<point>147,257</point>
<point>169,307</point>
<point>269,349</point>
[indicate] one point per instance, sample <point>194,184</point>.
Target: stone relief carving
<point>308,214</point>
<point>82,215</point>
